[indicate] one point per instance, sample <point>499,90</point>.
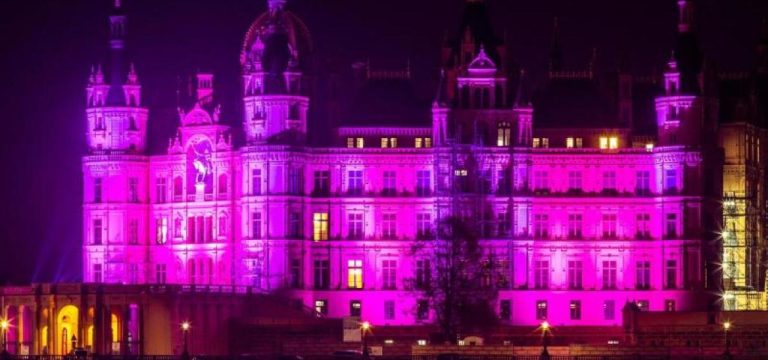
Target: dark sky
<point>48,46</point>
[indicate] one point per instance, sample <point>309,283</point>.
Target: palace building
<point>588,192</point>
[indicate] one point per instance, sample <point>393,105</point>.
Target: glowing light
<point>365,325</point>
<point>421,342</point>
<point>727,325</point>
<point>185,326</point>
<point>649,147</point>
<point>389,341</point>
<point>4,324</point>
<point>545,326</point>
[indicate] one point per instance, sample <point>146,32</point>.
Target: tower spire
<point>117,32</point>
<point>686,17</point>
<point>276,5</point>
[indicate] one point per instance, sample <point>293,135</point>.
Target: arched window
<point>178,188</point>
<point>223,186</point>
<point>503,134</point>
<point>191,271</point>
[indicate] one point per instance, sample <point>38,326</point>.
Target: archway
<point>67,330</point>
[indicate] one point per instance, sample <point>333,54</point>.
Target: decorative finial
<point>276,5</point>
<point>118,4</point>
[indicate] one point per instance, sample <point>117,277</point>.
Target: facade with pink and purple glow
<point>581,212</point>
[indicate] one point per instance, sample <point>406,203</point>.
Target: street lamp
<point>4,324</point>
<point>726,327</point>
<point>544,341</point>
<point>364,327</point>
<point>185,326</point>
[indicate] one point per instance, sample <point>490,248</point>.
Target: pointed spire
<point>686,16</point>
<point>442,99</point>
<point>556,51</point>
<point>276,5</point>
<point>521,100</point>
<point>672,62</point>
<point>133,77</point>
<point>99,75</point>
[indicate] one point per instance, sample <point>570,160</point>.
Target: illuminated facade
<point>580,217</point>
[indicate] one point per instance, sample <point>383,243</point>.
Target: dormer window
<point>609,142</point>
<point>388,143</point>
<point>503,134</point>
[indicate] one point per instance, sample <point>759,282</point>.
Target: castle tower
<point>115,170</point>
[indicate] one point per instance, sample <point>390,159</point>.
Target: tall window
<point>575,274</point>
<point>609,309</point>
<point>97,189</point>
<point>133,231</point>
<point>423,274</point>
<point>609,181</point>
<point>670,180</point>
<point>389,310</point>
<point>502,220</point>
<point>322,274</point>
<point>574,181</point>
<point>208,228</point>
<point>671,274</point>
<point>132,273</point>
<point>389,274</point>
<point>540,181</point>
<point>350,142</point>
<point>541,274</point>
<point>178,189</point>
<point>355,182</point>
<point>609,226</point>
<point>390,183</point>
<point>294,225</point>
<point>191,229</point>
<point>355,226</point>
<point>423,226</point>
<point>98,273</point>
<point>388,142</point>
<point>319,226</point>
<point>295,181</point>
<point>541,309</point>
<point>160,274</point>
<point>575,309</point>
<point>503,134</point>
<point>609,274</point>
<point>423,142</point>
<point>355,274</point>
<point>422,309</point>
<point>541,226</point>
<point>256,182</point>
<point>256,225</point>
<point>574,226</point>
<point>643,226</point>
<point>643,275</point>
<point>223,185</point>
<point>643,183</point>
<point>569,143</point>
<point>359,143</point>
<point>355,308</point>
<point>296,278</point>
<point>98,231</point>
<point>389,226</point>
<point>423,179</point>
<point>223,225</point>
<point>161,189</point>
<point>322,182</point>
<point>133,189</point>
<point>670,226</point>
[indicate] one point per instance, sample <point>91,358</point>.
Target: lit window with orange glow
<point>320,226</point>
<point>613,142</point>
<point>603,142</point>
<point>569,143</point>
<point>355,274</point>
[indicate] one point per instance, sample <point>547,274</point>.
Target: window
<point>609,309</point>
<point>643,226</point>
<point>603,142</point>
<point>502,219</point>
<point>671,274</point>
<point>540,181</point>
<point>223,185</point>
<point>505,310</point>
<point>575,309</point>
<point>609,274</point>
<point>295,181</point>
<point>669,305</point>
<point>296,277</point>
<point>574,226</point>
<point>427,142</point>
<point>178,189</point>
<point>133,231</point>
<point>609,181</point>
<point>575,274</point>
<point>579,142</point>
<point>191,233</point>
<point>541,274</point>
<point>355,182</point>
<point>208,228</point>
<point>536,142</point>
<point>423,142</point>
<point>256,182</point>
<point>98,273</point>
<point>321,307</point>
<point>670,180</point>
<point>422,310</point>
<point>541,226</point>
<point>160,274</point>
<point>389,226</point>
<point>423,226</point>
<point>643,183</point>
<point>133,190</point>
<point>389,310</point>
<point>223,226</point>
<point>98,231</point>
<point>574,181</point>
<point>256,225</point>
<point>423,179</point>
<point>503,134</point>
<point>359,143</point>
<point>319,226</point>
<point>322,183</point>
<point>569,143</point>
<point>388,142</point>
<point>541,309</point>
<point>355,308</point>
<point>160,189</point>
<point>545,143</point>
<point>613,142</point>
<point>423,274</point>
<point>355,226</point>
<point>350,142</point>
<point>418,143</point>
<point>643,275</point>
<point>132,273</point>
<point>389,274</point>
<point>390,181</point>
<point>355,274</point>
<point>609,226</point>
<point>322,274</point>
<point>643,305</point>
<point>97,190</point>
<point>294,225</point>
<point>670,227</point>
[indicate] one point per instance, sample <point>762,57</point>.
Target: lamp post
<point>4,324</point>
<point>364,327</point>
<point>726,327</point>
<point>185,326</point>
<point>544,341</point>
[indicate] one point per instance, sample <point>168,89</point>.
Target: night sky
<point>48,47</point>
